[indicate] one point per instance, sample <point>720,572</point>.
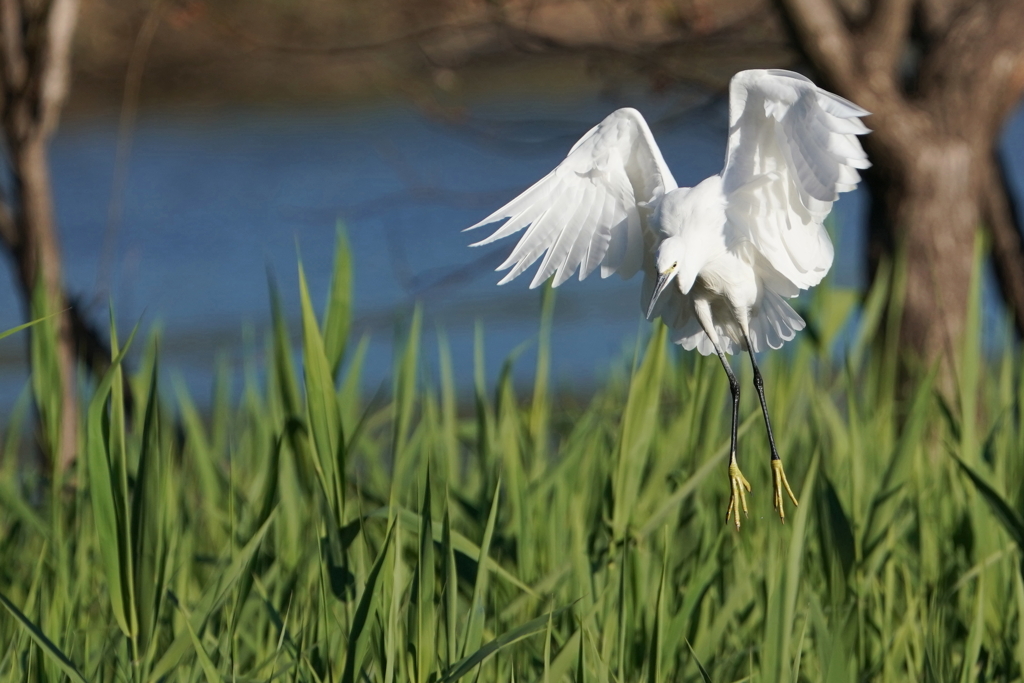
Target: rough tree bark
<point>35,39</point>
<point>941,77</point>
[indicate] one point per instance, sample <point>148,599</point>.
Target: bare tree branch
<point>825,37</point>
<point>55,73</point>
<point>884,38</point>
<point>8,226</point>
<point>15,69</point>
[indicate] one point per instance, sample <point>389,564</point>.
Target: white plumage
<point>736,246</point>
<point>792,148</point>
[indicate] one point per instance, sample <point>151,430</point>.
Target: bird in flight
<point>719,259</point>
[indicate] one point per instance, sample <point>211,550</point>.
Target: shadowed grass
<point>307,533</point>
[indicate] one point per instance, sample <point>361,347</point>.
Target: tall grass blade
<point>781,613</point>
<point>322,409</point>
<point>214,596</point>
<point>451,587</point>
<point>475,624</point>
<point>506,639</point>
<point>338,313</point>
<point>149,527</point>
<point>359,634</point>
<point>638,425</point>
<point>581,662</point>
<point>655,661</point>
<point>540,408</point>
<point>46,646</point>
<point>425,614</point>
<point>1007,516</point>
<point>209,670</point>
<point>110,508</point>
<point>970,358</point>
<point>972,649</point>
<point>704,675</point>
<point>405,395</point>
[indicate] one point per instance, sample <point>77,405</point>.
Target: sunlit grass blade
<point>209,669</point>
<point>972,649</point>
<point>657,632</point>
<point>322,415</point>
<point>540,409</point>
<point>149,527</point>
<point>506,639</point>
<point>212,599</point>
<point>45,378</point>
<point>969,360</point>
<point>461,544</point>
<point>475,624</point>
<point>691,485</point>
<point>109,502</point>
<point>834,528</point>
<point>581,660</point>
<point>638,425</point>
<point>338,312</point>
<point>359,634</point>
<point>451,588</point>
<point>25,326</point>
<point>44,643</point>
<point>286,388</point>
<point>872,313</point>
<point>405,397</point>
<point>1007,516</point>
<point>704,675</point>
<point>780,618</point>
<point>425,613</point>
<point>268,501</point>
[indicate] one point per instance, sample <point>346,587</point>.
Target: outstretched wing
<point>792,149</point>
<point>593,209</point>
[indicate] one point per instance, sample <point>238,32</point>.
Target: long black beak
<point>663,281</point>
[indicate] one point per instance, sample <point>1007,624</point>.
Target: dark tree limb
<point>884,36</point>
<point>822,34</point>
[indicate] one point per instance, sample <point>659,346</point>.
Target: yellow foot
<point>737,483</point>
<point>778,483</point>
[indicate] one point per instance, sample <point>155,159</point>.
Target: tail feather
<point>774,323</point>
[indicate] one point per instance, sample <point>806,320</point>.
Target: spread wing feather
<point>792,149</point>
<point>592,209</point>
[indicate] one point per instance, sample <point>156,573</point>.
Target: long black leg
<point>759,385</point>
<point>779,482</point>
<point>738,484</point>
<point>734,387</point>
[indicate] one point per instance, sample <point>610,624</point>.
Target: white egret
<point>719,259</point>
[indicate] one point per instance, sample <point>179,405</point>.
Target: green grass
<point>308,533</point>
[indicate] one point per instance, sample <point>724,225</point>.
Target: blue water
<point>213,199</point>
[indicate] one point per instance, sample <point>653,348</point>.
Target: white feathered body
<point>731,276</point>
<point>739,243</point>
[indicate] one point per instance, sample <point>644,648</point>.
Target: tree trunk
<point>935,215</point>
<point>38,259</point>
<point>35,44</point>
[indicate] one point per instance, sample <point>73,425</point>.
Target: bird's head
<point>672,263</point>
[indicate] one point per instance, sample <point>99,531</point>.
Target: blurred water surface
<point>213,199</point>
